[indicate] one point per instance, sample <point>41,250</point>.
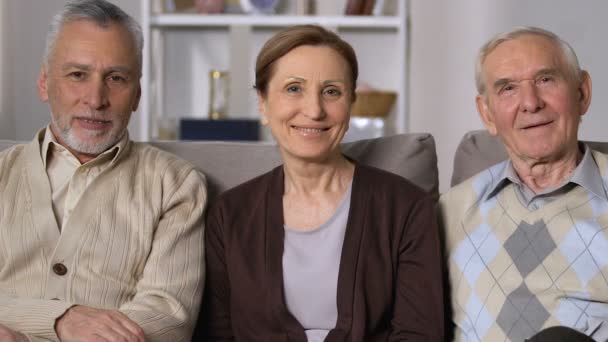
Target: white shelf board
<point>223,20</point>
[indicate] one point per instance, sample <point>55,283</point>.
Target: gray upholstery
<point>227,164</point>
<point>479,150</point>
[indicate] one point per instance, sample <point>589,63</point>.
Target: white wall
<point>28,22</point>
<point>445,37</point>
<point>7,126</point>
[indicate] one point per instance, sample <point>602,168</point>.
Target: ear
<point>584,92</point>
<point>485,114</point>
<point>262,108</point>
<point>41,84</point>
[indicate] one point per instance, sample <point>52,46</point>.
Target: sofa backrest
<point>479,150</point>
<point>227,164</point>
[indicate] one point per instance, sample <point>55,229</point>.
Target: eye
<point>293,88</point>
<point>507,89</point>
<point>545,79</point>
<point>332,92</point>
<point>76,75</point>
<point>117,78</point>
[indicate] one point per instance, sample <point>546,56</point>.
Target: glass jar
<point>218,94</point>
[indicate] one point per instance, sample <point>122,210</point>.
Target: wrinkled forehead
<point>522,57</point>
<point>90,41</point>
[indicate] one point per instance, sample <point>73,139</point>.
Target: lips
<point>92,123</point>
<point>537,124</point>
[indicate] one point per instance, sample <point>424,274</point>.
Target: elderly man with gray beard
<point>101,238</point>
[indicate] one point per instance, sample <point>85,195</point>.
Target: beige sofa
<point>227,164</point>
<point>412,156</point>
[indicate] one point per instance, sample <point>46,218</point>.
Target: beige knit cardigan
<point>133,243</point>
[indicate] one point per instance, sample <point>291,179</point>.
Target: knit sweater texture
<point>514,271</point>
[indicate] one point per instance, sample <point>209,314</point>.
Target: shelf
<point>223,20</point>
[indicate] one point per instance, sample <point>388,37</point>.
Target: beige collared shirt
<point>68,177</point>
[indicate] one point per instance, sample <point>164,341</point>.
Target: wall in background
<point>7,126</point>
<point>445,37</point>
<point>28,22</point>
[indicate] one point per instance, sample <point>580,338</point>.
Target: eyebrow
<point>545,71</point>
<point>72,65</point>
<point>548,71</point>
<point>301,79</point>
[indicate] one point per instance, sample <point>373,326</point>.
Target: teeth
<point>310,130</point>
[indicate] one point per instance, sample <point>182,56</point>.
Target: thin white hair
<point>567,52</point>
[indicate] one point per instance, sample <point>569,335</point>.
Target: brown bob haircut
<point>292,37</point>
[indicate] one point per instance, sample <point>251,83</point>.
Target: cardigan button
<point>60,269</point>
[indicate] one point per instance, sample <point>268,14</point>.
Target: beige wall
<point>7,126</point>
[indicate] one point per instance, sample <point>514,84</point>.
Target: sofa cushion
<point>479,150</point>
<point>227,164</point>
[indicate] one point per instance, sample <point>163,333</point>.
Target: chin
<point>317,156</point>
<point>93,145</point>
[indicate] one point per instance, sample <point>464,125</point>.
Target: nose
<point>531,100</point>
<point>314,107</point>
<point>96,96</point>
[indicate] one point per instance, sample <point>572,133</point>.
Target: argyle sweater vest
<point>514,272</point>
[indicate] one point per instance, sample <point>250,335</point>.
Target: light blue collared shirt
<point>586,174</point>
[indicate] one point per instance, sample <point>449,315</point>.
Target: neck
<point>541,175</point>
<point>302,177</point>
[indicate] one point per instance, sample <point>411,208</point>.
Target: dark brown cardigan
<point>389,283</point>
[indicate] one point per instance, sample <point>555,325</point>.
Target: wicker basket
<point>373,103</point>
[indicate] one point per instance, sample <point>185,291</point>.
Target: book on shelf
<point>359,7</point>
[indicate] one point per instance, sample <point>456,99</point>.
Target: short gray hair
<point>567,52</point>
<point>100,12</point>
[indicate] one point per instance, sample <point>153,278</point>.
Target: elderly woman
<point>321,248</point>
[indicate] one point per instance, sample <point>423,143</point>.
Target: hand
<point>82,323</point>
<point>8,335</point>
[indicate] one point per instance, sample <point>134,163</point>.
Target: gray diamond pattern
<point>529,245</point>
<point>522,315</point>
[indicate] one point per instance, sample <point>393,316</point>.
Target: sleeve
<point>36,339</point>
<point>216,321</point>
<point>168,295</point>
<point>418,309</point>
<point>33,317</point>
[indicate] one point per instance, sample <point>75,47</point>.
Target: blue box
<point>223,129</point>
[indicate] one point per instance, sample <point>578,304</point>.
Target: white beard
<point>64,130</point>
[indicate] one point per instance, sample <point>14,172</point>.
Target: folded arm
<point>168,295</point>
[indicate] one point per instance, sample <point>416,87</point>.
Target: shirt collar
<point>587,174</point>
<point>49,145</point>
